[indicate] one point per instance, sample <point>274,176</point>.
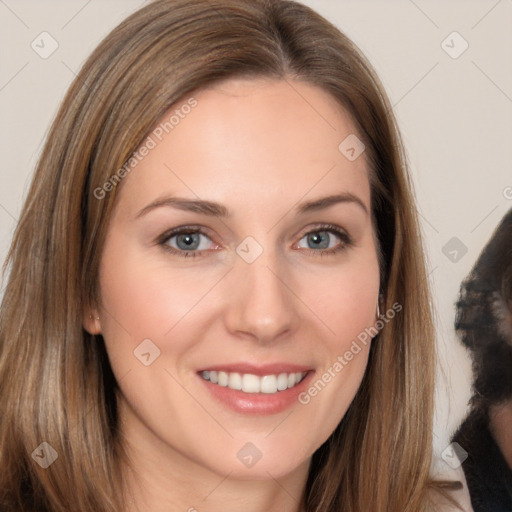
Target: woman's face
<point>241,252</point>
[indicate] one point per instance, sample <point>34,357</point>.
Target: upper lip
<point>267,369</point>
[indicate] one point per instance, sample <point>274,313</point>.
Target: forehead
<point>249,135</point>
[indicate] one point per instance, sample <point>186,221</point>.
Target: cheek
<point>144,298</point>
<point>345,304</point>
<point>345,301</point>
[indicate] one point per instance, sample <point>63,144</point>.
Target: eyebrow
<point>218,210</point>
<point>325,202</point>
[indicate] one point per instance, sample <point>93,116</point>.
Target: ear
<point>91,320</point>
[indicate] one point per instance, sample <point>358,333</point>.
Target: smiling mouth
<point>250,383</point>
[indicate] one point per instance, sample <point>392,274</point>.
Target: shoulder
<point>441,496</point>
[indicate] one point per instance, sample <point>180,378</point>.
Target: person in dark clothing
<point>484,325</point>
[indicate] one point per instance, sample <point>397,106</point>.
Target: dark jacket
<point>488,476</point>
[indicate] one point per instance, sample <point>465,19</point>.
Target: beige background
<point>455,115</point>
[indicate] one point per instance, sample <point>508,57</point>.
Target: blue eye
<point>185,242</point>
<point>190,241</point>
<point>319,240</point>
<point>323,240</point>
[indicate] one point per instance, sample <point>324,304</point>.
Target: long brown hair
<point>56,385</point>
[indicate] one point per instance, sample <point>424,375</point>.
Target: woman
<point>217,293</point>
<point>484,323</point>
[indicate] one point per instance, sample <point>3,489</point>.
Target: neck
<point>500,424</point>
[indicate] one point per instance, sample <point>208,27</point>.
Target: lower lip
<point>261,404</point>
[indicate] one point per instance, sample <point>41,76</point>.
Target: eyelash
<point>346,240</point>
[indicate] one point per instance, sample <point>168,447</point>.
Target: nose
<point>262,305</point>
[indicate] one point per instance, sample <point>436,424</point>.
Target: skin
<point>259,147</point>
<point>500,415</point>
<point>500,420</point>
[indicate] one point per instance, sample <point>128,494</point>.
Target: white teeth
<point>249,383</point>
<point>269,384</point>
<point>235,381</point>
<point>282,382</point>
<point>223,379</point>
